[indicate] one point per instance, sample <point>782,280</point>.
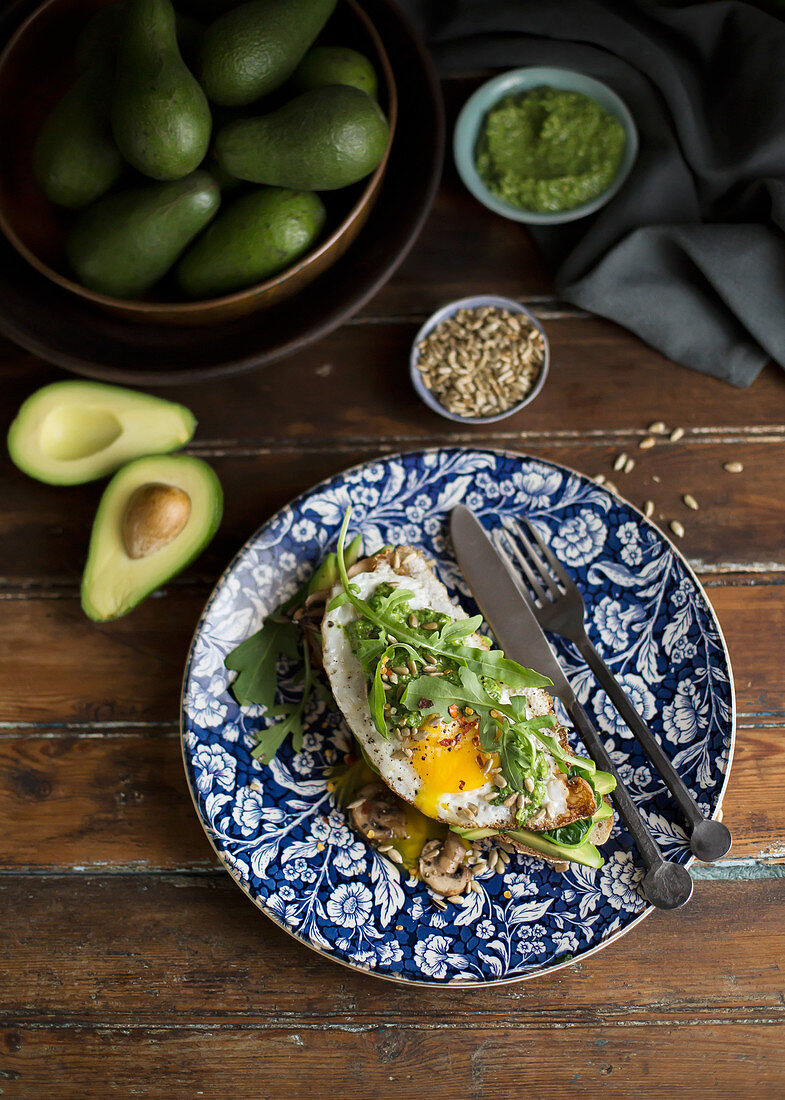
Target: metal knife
<point>666,885</point>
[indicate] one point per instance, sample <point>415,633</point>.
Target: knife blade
<point>504,607</point>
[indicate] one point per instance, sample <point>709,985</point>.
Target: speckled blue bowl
<point>475,302</point>
<point>516,82</point>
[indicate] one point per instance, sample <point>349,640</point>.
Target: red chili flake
<point>447,741</point>
<point>423,703</point>
<point>452,711</point>
<point>461,784</point>
<point>480,761</point>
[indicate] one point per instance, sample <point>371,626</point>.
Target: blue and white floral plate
<point>276,828</point>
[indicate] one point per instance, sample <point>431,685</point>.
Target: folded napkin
<point>690,254</point>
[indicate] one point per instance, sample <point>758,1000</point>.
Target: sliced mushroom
<point>380,816</point>
<point>442,866</point>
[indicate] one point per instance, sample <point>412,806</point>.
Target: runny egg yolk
<point>448,761</point>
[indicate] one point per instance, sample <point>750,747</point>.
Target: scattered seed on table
<point>648,509</point>
<point>611,487</point>
<point>629,465</point>
<point>619,461</point>
<point>657,428</point>
<point>646,443</point>
<point>733,467</point>
<point>599,479</point>
<point>676,435</point>
<point>656,477</point>
<point>690,501</point>
<point>677,528</point>
<point>480,362</point>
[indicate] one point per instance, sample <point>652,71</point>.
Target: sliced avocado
<point>156,515</point>
<point>584,853</point>
<point>71,432</point>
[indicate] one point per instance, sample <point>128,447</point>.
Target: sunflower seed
<point>480,866</point>
<point>357,802</point>
<point>647,443</point>
<point>529,784</point>
<point>657,428</point>
<point>400,670</point>
<point>619,461</point>
<point>629,465</point>
<point>676,435</point>
<point>509,801</point>
<point>395,855</point>
<point>430,626</point>
<point>504,858</point>
<point>412,620</point>
<point>391,639</point>
<point>690,501</point>
<point>599,479</point>
<point>648,509</point>
<point>733,467</point>
<point>384,848</point>
<point>611,487</point>
<point>475,887</point>
<point>677,528</point>
<point>412,666</point>
<point>499,781</point>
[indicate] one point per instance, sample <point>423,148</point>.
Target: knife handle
<point>643,734</point>
<point>630,814</point>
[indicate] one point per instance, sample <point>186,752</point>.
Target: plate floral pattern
<point>276,828</point>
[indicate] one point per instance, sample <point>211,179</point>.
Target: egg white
<point>350,690</point>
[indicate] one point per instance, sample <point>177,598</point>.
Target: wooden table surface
<point>130,962</point>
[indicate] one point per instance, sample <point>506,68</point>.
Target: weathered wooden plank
<point>295,1063</point>
<point>355,385</point>
<point>118,800</point>
<point>44,531</point>
<point>142,949</point>
<point>58,666</point>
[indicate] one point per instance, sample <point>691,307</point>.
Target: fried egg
<point>446,775</point>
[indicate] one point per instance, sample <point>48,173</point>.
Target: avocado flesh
<point>71,432</point>
<point>113,581</point>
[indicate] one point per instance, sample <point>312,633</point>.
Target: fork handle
<point>643,734</point>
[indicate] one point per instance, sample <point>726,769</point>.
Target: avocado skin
<point>258,235</point>
<point>325,65</point>
<point>254,48</point>
<point>160,116</point>
<point>322,140</point>
<point>101,34</point>
<point>75,159</point>
<point>124,244</point>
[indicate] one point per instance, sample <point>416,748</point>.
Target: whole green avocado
<point>322,140</point>
<point>254,48</point>
<point>125,243</point>
<point>75,159</point>
<point>324,65</point>
<point>160,116</point>
<point>258,235</point>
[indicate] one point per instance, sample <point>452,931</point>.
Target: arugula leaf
<point>377,696</point>
<point>254,660</point>
<point>460,628</point>
<point>271,739</point>
<point>491,663</point>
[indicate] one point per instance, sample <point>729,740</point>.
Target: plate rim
<point>456,983</point>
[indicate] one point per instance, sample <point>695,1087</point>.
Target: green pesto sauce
<point>549,150</point>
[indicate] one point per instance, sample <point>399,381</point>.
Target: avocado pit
<point>154,516</point>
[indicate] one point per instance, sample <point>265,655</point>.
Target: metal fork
<point>559,608</point>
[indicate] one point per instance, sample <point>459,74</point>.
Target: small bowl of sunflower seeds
<point>479,359</point>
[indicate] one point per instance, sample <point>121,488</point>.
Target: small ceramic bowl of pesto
<point>544,145</point>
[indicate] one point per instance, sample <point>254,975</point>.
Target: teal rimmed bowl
<point>517,82</point>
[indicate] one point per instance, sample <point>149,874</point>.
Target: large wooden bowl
<point>36,67</point>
